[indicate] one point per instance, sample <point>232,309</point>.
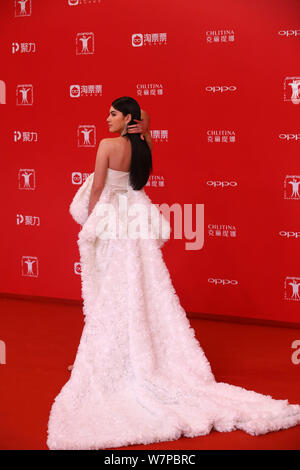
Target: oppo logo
<point>289,234</point>
<point>222,184</point>
<point>289,32</point>
<point>289,136</point>
<point>224,282</point>
<point>220,88</point>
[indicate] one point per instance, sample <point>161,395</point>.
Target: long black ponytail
<point>141,158</point>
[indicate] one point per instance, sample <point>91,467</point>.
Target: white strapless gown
<point>140,375</point>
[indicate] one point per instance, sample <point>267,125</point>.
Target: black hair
<point>141,157</point>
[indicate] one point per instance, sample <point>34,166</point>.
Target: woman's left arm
<point>101,165</point>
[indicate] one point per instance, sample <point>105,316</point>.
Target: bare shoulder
<point>110,145</point>
<point>112,140</point>
<point>107,142</point>
<point>116,141</point>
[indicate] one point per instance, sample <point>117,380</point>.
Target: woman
<point>119,150</point>
<point>140,375</point>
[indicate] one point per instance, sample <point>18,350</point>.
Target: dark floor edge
<point>191,315</point>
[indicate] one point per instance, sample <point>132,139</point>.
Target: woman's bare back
<point>120,154</point>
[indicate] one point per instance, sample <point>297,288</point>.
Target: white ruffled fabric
<point>140,375</point>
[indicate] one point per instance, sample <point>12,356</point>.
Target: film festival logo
<point>85,43</point>
<point>26,179</point>
<point>24,95</point>
<point>2,92</point>
<point>291,288</point>
<point>30,266</point>
<point>22,8</point>
<point>86,136</point>
<point>291,89</point>
<point>291,187</point>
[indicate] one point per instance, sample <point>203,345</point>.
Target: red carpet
<point>42,339</point>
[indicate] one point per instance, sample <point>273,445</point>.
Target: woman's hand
<point>139,127</point>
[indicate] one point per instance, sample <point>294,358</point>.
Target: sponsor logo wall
<point>222,88</point>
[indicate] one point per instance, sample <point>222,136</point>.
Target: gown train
<point>140,376</point>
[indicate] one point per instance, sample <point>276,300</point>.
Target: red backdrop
<point>219,80</point>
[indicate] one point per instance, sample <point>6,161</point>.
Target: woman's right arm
<point>143,127</point>
<point>146,120</point>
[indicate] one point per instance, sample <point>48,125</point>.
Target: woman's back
<point>120,154</point>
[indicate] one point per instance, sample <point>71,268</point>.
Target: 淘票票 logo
<point>77,268</point>
<point>148,39</point>
<point>78,91</point>
<point>79,178</point>
<point>159,135</point>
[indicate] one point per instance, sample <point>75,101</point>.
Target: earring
<point>124,131</point>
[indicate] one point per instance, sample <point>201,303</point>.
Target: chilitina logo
<point>2,92</point>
